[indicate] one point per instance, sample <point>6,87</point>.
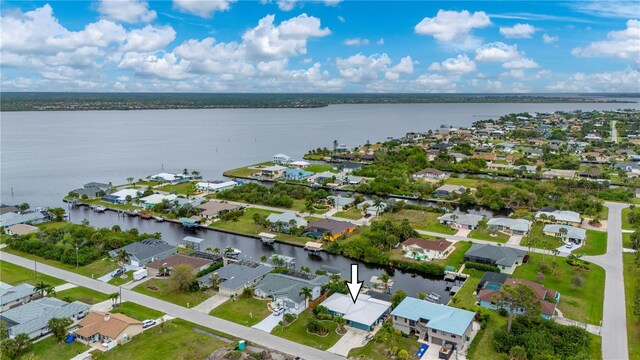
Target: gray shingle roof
<point>235,276</point>
<point>12,218</point>
<point>145,249</point>
<point>281,285</point>
<point>10,293</point>
<point>572,231</point>
<point>501,255</point>
<point>36,314</point>
<point>513,224</point>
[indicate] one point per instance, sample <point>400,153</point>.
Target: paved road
<point>253,335</point>
<point>614,132</point>
<point>614,322</point>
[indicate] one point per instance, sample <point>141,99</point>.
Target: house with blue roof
<point>296,174</point>
<point>434,323</point>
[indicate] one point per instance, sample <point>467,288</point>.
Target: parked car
<point>118,272</point>
<point>148,323</point>
<point>570,246</point>
<point>278,311</point>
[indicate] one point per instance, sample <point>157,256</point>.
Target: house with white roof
<point>157,199</point>
<point>32,318</point>
<point>273,172</point>
<point>120,197</point>
<point>170,178</point>
<point>568,234</point>
<point>461,221</point>
<point>284,221</point>
<point>509,226</point>
<point>434,323</point>
<point>559,217</point>
<point>364,314</point>
<point>282,159</point>
<point>215,186</point>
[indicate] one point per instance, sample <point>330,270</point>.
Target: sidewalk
<point>64,287</point>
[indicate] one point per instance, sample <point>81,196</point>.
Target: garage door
<point>436,341</point>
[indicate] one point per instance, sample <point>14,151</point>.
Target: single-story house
<point>447,190</point>
<point>629,167</point>
<point>423,249</point>
<point>212,209</point>
<point>143,252</point>
<point>93,189</point>
<point>329,229</point>
<point>350,179</point>
<point>154,199</point>
<point>498,166</point>
<point>234,278</point>
<point>430,173</point>
<point>504,257</point>
<point>320,178</point>
<point>282,159</point>
<point>364,314</point>
<point>372,208</point>
<point>341,201</point>
<point>458,156</point>
<point>31,217</point>
<point>14,296</point>
<point>21,229</point>
<point>170,178</point>
<point>216,186</point>
<point>509,226</point>
<point>285,290</point>
<point>461,221</point>
<point>559,174</point>
<point>174,260</point>
<point>296,174</point>
<point>120,197</point>
<point>440,146</point>
<point>273,172</point>
<point>559,217</point>
<point>104,327</point>
<point>32,318</point>
<point>300,164</point>
<point>434,323</point>
<point>547,298</point>
<point>571,233</point>
<point>525,169</point>
<point>283,221</point>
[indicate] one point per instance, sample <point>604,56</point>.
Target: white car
<point>148,323</point>
<point>278,311</point>
<point>570,246</point>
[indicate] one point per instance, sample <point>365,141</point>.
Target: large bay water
<point>46,154</point>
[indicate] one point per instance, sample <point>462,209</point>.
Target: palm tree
<point>114,297</point>
<point>41,287</point>
<point>563,234</point>
<point>50,290</point>
<point>384,278</point>
<point>123,257</point>
<point>228,250</point>
<point>216,250</point>
<point>340,321</point>
<point>307,294</point>
<point>130,179</point>
<point>215,278</point>
<point>263,259</point>
<point>377,202</point>
<point>327,235</point>
<point>335,145</point>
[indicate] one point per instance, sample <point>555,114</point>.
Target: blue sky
<point>320,46</point>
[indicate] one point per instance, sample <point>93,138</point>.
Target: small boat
<point>99,209</point>
<point>159,218</point>
<point>132,213</point>
<point>233,254</point>
<point>145,216</point>
<point>433,297</point>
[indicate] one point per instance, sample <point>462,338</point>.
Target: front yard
<point>632,291</point>
<point>83,294</point>
<point>244,311</point>
<point>596,243</point>
<point>95,269</point>
<point>537,239</point>
<point>50,349</point>
<point>483,233</point>
<point>136,311</point>
<point>352,214</point>
<point>297,331</point>
<point>420,220</point>
<point>160,288</point>
<point>15,275</point>
<point>118,280</point>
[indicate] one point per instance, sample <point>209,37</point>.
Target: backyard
<point>297,331</point>
<point>456,258</point>
<point>159,288</point>
<point>186,188</point>
<point>245,223</point>
<point>82,294</point>
<point>483,233</point>
<point>14,275</point>
<point>420,220</point>
<point>136,311</point>
<point>352,214</point>
<point>379,350</point>
<point>632,291</point>
<point>50,349</point>
<point>244,311</point>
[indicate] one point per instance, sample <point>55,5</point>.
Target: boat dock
<point>267,238</point>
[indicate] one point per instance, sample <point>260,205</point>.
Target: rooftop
<point>366,310</point>
<point>106,324</point>
<point>440,317</point>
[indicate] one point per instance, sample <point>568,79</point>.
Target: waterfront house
<point>21,229</point>
<point>372,209</point>
<point>283,222</point>
<point>350,179</point>
<point>93,189</point>
<point>143,252</point>
<point>329,229</point>
<point>281,159</point>
<point>509,226</point>
<point>568,234</point>
<point>14,296</point>
<point>273,172</point>
<point>300,164</point>
<point>32,318</point>
<point>340,201</point>
<point>423,249</point>
<point>216,186</point>
<point>435,323</point>
<point>284,290</point>
<point>498,166</point>
<point>120,197</point>
<point>296,174</point>
<point>461,221</point>
<point>525,169</point>
<point>212,209</point>
<point>448,190</point>
<point>559,217</point>
<point>321,178</point>
<point>196,263</point>
<point>429,174</point>
<point>154,199</point>
<point>30,217</point>
<point>491,281</point>
<point>234,278</point>
<point>547,298</point>
<point>170,178</point>
<point>559,174</point>
<point>107,328</point>
<point>503,257</point>
<point>364,314</point>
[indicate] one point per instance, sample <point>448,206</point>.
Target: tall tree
<point>181,277</point>
<point>517,299</point>
<point>58,327</point>
<point>307,294</point>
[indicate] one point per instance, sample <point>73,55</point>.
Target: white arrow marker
<point>355,285</point>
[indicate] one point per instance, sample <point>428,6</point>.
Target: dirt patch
<point>152,288</point>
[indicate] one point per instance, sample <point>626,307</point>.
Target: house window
<point>453,336</point>
<point>434,331</point>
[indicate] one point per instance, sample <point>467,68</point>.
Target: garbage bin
<point>241,345</point>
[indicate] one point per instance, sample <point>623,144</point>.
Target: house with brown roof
<point>329,229</point>
<point>547,298</point>
<point>423,249</point>
<point>213,209</point>
<point>179,259</point>
<point>486,156</point>
<point>429,174</point>
<point>104,327</point>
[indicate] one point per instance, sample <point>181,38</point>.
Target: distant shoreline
<point>177,101</point>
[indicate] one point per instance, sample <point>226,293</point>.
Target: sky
<point>320,46</point>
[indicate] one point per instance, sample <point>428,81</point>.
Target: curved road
<point>256,336</point>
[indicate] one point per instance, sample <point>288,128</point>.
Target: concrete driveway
<point>565,249</point>
<point>268,323</point>
<point>514,240</point>
<point>352,339</point>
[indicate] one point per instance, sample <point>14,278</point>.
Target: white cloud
<point>518,31</point>
<point>434,83</point>
<point>202,8</point>
<point>331,2</point>
<point>614,81</point>
<point>356,42</point>
<point>166,66</point>
<point>149,38</point>
<point>342,19</point>
<point>522,63</point>
<point>405,66</point>
<point>457,65</point>
<point>497,52</point>
<point>548,39</point>
<point>615,9</point>
<point>623,44</point>
<point>358,68</point>
<point>380,41</point>
<point>453,27</point>
<point>129,11</point>
<point>286,5</point>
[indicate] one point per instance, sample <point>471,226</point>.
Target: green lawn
<point>470,183</point>
<point>595,348</point>
<point>318,168</point>
<point>246,171</point>
<point>14,275</point>
<point>164,293</point>
<point>626,240</point>
<point>353,214</point>
<point>537,238</point>
<point>243,311</point>
<point>49,349</point>
<point>245,224</point>
<point>582,304</point>
<point>297,331</point>
<point>456,258</point>
<point>95,269</point>
<point>596,243</point>
<point>420,220</point>
<point>175,339</point>
<point>187,188</point>
<point>83,294</point>
<point>465,297</point>
<point>117,281</point>
<point>379,351</point>
<point>483,233</point>
<point>482,346</point>
<point>136,311</point>
<point>631,288</point>
<point>625,220</point>
<point>294,240</point>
